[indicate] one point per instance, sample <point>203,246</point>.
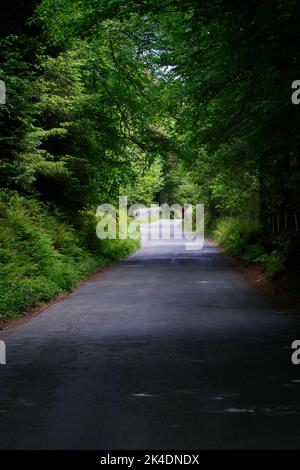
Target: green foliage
<point>273,262</point>
<point>171,101</point>
<point>116,249</point>
<point>244,239</point>
<point>147,183</point>
<point>41,256</point>
<point>253,252</point>
<point>235,235</point>
<point>36,262</point>
<point>83,118</point>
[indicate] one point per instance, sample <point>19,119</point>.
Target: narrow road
<point>167,349</point>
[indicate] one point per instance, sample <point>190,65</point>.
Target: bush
<point>252,252</point>
<point>116,249</point>
<point>40,255</point>
<point>235,235</point>
<point>273,262</point>
<point>20,294</point>
<point>243,239</point>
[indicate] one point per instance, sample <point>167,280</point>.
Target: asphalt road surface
<point>167,349</point>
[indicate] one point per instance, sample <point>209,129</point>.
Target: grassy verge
<point>245,239</point>
<point>275,256</point>
<point>41,256</point>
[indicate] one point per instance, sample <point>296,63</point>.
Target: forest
<point>177,101</point>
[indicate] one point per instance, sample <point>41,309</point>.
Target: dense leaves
<point>165,101</point>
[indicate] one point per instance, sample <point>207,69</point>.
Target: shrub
<point>116,249</point>
<point>41,255</point>
<point>243,238</point>
<point>235,235</point>
<point>273,262</point>
<point>252,252</point>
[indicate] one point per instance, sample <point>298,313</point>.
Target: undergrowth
<point>41,255</point>
<point>246,240</point>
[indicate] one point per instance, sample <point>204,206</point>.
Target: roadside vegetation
<point>165,102</point>
<point>42,256</point>
<point>278,255</point>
